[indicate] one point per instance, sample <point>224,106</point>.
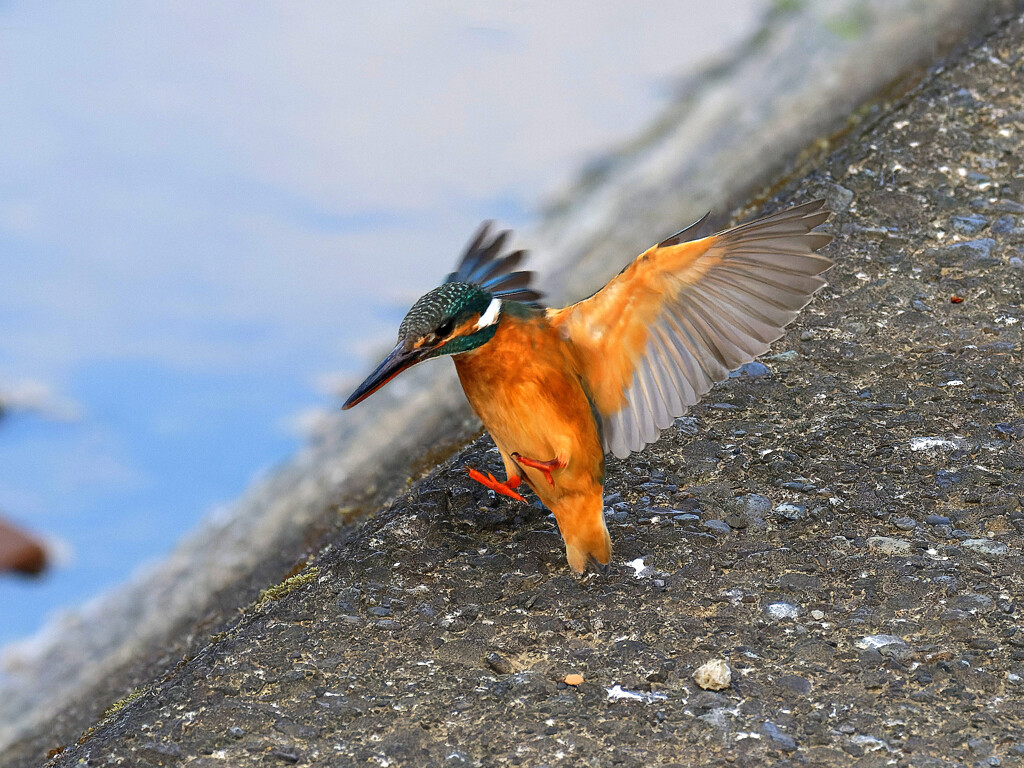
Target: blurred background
<point>212,214</point>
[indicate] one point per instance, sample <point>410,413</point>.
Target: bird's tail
<point>581,522</point>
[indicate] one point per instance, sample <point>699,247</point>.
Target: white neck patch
<point>490,317</point>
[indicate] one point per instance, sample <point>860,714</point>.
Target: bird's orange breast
<point>524,387</point>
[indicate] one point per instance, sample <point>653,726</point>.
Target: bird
<point>559,388</point>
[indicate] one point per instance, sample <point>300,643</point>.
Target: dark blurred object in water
<point>19,551</point>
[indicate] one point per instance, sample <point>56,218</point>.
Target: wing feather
<point>654,340</point>
<point>701,366</point>
<point>645,402</point>
<point>750,320</point>
<point>668,378</point>
<point>681,366</point>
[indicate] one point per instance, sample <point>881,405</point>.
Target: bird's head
<point>462,314</point>
<point>454,318</point>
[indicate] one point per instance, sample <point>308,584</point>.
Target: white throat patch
<point>490,317</point>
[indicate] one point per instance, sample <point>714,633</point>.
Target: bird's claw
<point>544,466</point>
<point>490,481</point>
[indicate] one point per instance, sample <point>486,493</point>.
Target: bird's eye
<point>445,328</point>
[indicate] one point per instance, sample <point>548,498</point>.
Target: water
<point>209,212</point>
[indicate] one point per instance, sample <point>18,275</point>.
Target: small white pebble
<point>817,615</point>
<point>889,546</point>
<point>870,743</point>
<point>878,641</point>
<point>782,611</point>
<point>618,693</point>
<point>986,546</point>
<point>638,566</point>
<point>931,443</point>
<point>713,675</point>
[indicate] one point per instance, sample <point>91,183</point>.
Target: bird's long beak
<point>392,365</point>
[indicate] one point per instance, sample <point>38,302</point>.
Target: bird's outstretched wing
<point>485,265</point>
<point>652,342</point>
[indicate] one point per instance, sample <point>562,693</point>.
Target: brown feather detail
<point>610,329</point>
<point>679,318</point>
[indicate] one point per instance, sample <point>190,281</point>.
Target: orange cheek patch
<point>466,328</point>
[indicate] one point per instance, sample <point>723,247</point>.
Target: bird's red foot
<point>543,466</point>
<point>490,481</point>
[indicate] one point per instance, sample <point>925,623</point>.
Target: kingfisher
<point>557,389</point>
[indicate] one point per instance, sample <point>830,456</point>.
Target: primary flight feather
<point>558,388</point>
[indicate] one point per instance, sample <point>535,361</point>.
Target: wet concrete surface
<point>841,523</point>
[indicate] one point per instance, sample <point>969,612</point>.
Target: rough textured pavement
<point>842,523</point>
